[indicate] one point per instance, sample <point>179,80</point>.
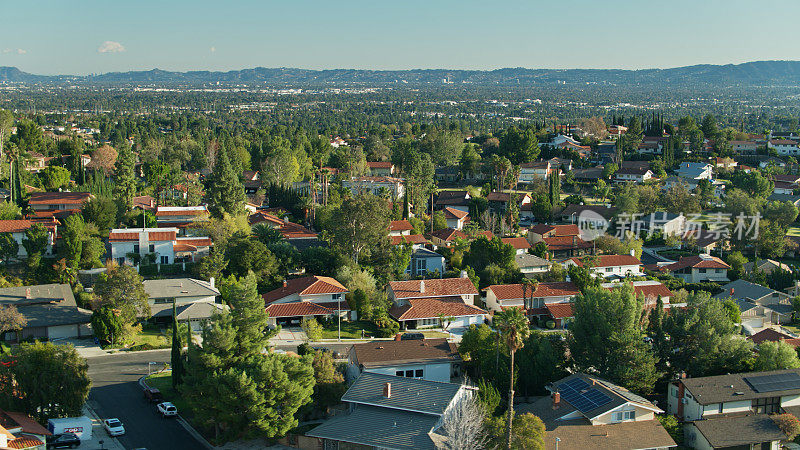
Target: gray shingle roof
<point>179,287</point>
<point>743,290</point>
<point>45,305</point>
<point>380,427</point>
<point>617,394</point>
<point>408,394</point>
<point>734,430</point>
<point>188,311</point>
<point>731,387</point>
<point>528,260</point>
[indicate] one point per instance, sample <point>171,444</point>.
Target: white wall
<point>431,372</point>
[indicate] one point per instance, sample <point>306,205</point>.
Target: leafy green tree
<point>101,211</point>
<point>35,243</point>
<point>608,338</point>
<point>9,247</point>
<point>225,192</point>
<point>329,383</point>
<point>9,211</point>
<point>771,241</point>
<point>245,254</point>
<point>782,213</point>
<point>519,145</point>
<point>212,265</point>
<point>419,171</point>
<point>753,183</point>
<point>701,340</point>
<point>439,221</point>
<point>107,325</point>
<point>73,236</point>
<point>470,160</point>
<point>361,225</point>
<point>11,320</point>
<point>45,380</point>
<point>774,356</point>
<point>248,314</point>
<point>125,176</point>
<point>609,170</point>
<point>513,327</point>
<point>541,361</point>
<point>121,288</point>
<point>55,178</point>
<point>527,432</point>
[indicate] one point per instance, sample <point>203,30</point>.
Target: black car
<point>66,440</point>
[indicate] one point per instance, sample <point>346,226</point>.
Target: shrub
<point>551,324</point>
<point>789,424</point>
<point>312,328</point>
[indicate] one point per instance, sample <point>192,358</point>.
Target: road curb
<point>190,429</point>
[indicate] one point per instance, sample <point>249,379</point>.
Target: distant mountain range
<point>774,73</point>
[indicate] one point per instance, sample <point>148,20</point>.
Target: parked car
<point>167,409</point>
<point>153,395</point>
<point>412,337</point>
<point>64,440</point>
<point>114,427</point>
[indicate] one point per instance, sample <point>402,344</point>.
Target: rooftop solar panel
<point>582,396</point>
<point>775,382</point>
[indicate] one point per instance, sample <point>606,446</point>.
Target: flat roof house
<point>392,413</point>
<point>586,412</point>
<point>50,310</point>
<point>733,411</point>
<point>428,359</point>
<point>310,296</point>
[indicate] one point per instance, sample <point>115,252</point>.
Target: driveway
<point>85,347</point>
<point>116,393</point>
<point>290,336</point>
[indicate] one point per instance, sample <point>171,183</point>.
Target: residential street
<point>116,393</point>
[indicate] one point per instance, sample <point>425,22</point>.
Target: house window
<point>165,260</point>
<point>409,374</point>
<point>418,373</point>
<point>336,296</point>
<point>766,405</point>
<point>702,270</point>
<point>531,303</point>
<point>609,269</point>
<point>719,410</point>
<point>422,266</point>
<point>674,391</point>
<point>152,248</point>
<point>399,373</point>
<point>164,300</point>
<point>623,416</point>
<point>135,248</point>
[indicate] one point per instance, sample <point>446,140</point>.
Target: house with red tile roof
<point>454,199</point>
<point>455,218</point>
<point>563,241</point>
<point>694,269</point>
<point>57,204</point>
<point>132,245</point>
<point>18,228</point>
<point>21,431</point>
<point>447,236</point>
<point>310,296</point>
<point>380,168</point>
<point>549,301</point>
<point>400,228</point>
<point>773,335</point>
<point>296,234</point>
<point>520,244</point>
<point>650,290</point>
<point>608,266</point>
<point>421,303</point>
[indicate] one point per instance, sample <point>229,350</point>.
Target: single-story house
<point>51,312</point>
<point>695,269</point>
<point>608,266</point>
<point>531,265</point>
<point>428,359</point>
<point>520,244</point>
<point>759,305</point>
<point>765,265</point>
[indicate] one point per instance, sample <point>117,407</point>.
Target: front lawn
<point>350,329</point>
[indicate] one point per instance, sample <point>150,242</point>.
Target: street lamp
<point>558,439</point>
<point>148,366</point>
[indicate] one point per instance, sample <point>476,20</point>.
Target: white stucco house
<point>422,303</point>
<point>131,245</point>
<point>608,266</point>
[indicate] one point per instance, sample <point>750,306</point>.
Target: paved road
<point>116,393</point>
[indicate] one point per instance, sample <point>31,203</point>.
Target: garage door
<point>756,322</point>
<point>62,331</point>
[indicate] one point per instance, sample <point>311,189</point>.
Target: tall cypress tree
<point>405,206</point>
<point>124,176</point>
<point>225,190</point>
<point>176,357</point>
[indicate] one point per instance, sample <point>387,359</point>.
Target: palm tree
<point>513,328</point>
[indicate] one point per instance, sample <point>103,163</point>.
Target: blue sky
<point>89,36</point>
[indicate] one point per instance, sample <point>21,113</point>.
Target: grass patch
<point>350,329</point>
<point>163,382</point>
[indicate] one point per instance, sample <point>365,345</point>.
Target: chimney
<point>463,274</point>
<point>633,252</point>
<point>284,283</point>
<point>556,396</point>
<point>398,337</point>
<point>28,293</point>
<point>683,375</point>
<point>387,390</point>
<point>211,281</point>
<point>422,286</point>
<point>732,292</point>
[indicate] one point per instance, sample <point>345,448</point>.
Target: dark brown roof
<point>381,353</point>
<point>769,335</point>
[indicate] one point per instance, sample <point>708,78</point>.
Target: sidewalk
<point>98,433</point>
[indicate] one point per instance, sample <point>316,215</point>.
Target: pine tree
<point>125,176</point>
<point>225,191</point>
<point>405,206</point>
<point>176,357</point>
<point>555,188</point>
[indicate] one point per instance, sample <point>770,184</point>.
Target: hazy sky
<point>91,36</point>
